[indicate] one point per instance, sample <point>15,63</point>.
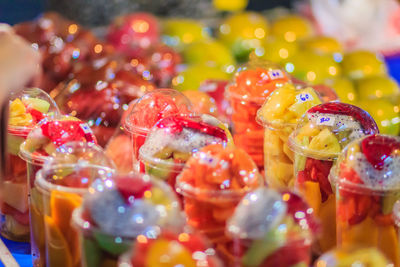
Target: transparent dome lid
<point>217,172</point>
<point>53,132</point>
<point>80,153</point>
<point>256,80</point>
<point>286,105</point>
<point>153,106</point>
<point>352,256</point>
<point>130,205</point>
<point>326,129</point>
<point>263,213</point>
<point>28,107</point>
<point>371,162</point>
<point>174,139</point>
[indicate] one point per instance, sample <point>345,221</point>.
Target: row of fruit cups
<point>248,224</point>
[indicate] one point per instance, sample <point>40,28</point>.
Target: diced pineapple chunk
<point>278,102</point>
<point>18,115</point>
<point>272,143</point>
<point>305,100</point>
<point>325,142</point>
<point>308,130</point>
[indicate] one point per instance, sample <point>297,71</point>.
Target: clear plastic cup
<point>212,183</point>
<point>317,141</point>
<point>120,211</point>
<point>252,84</point>
<point>173,140</point>
<point>147,110</point>
<point>27,108</point>
<point>182,248</point>
<point>60,186</point>
<point>33,153</point>
<point>367,175</point>
<point>271,228</point>
<point>279,115</point>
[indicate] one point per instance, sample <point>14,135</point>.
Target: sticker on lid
<point>85,127</point>
<point>276,74</point>
<point>303,97</point>
<point>322,119</point>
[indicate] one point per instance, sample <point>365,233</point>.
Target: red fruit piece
<point>336,108</point>
<point>61,132</point>
<point>378,148</point>
<point>36,114</point>
<point>296,204</point>
<point>177,123</point>
<point>130,187</point>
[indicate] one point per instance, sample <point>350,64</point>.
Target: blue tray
<point>23,254</point>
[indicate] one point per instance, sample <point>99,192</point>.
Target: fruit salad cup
<point>59,186</point>
<point>185,248</point>
<point>355,256</point>
<point>367,176</point>
<point>149,109</point>
<point>279,115</point>
<point>212,184</point>
<point>270,228</point>
<point>252,85</point>
<point>41,143</point>
<point>173,140</point>
<point>119,212</point>
<point>26,109</point>
<point>317,141</point>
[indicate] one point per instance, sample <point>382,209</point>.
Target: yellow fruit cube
<point>325,142</point>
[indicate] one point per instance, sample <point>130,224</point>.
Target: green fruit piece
<point>109,244</point>
<point>181,155</point>
<point>193,76</point>
<point>277,50</point>
<point>211,53</point>
<point>262,248</point>
<point>50,148</point>
<point>165,153</point>
<point>345,90</point>
<point>38,104</point>
<point>312,67</point>
<point>361,64</point>
<point>377,87</point>
<point>384,113</point>
<point>179,32</point>
<point>92,253</point>
<point>300,160</point>
<point>160,171</point>
<point>325,142</point>
<point>13,144</point>
<point>388,202</point>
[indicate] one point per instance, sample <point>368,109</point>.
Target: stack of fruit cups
<point>173,140</point>
<point>183,248</point>
<point>41,143</point>
<point>59,187</point>
<point>279,115</point>
<point>252,85</point>
<point>355,256</point>
<point>272,229</point>
<point>120,211</point>
<point>317,141</point>
<point>27,108</point>
<point>213,182</point>
<point>149,109</point>
<point>367,181</point>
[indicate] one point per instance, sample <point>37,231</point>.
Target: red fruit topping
<point>336,108</point>
<point>36,115</point>
<point>131,188</point>
<point>378,148</point>
<point>154,107</point>
<point>22,218</point>
<point>296,204</point>
<point>350,174</point>
<point>177,123</point>
<point>61,132</point>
